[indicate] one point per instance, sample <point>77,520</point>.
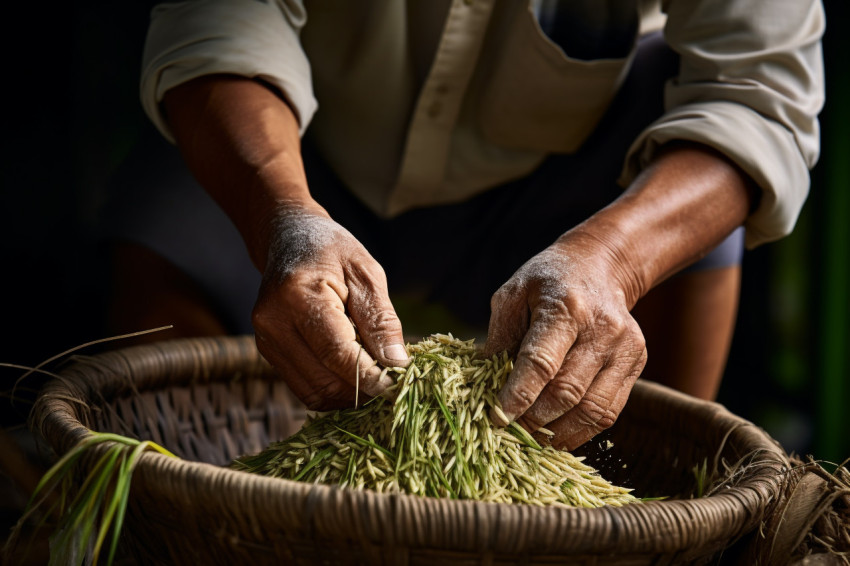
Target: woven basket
<point>211,400</point>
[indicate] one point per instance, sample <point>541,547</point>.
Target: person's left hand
<point>565,314</point>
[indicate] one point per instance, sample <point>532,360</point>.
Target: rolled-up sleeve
<point>250,38</point>
<point>750,85</point>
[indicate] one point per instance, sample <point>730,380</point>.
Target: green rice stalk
<point>98,506</point>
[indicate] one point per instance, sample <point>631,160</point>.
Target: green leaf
<point>100,502</point>
<point>320,457</point>
<point>522,435</point>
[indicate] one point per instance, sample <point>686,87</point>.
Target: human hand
<point>317,276</point>
<point>565,314</point>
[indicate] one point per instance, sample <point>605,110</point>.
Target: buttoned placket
<point>429,137</point>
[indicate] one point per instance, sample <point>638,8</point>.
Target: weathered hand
<point>565,314</point>
<point>565,311</point>
<point>317,276</point>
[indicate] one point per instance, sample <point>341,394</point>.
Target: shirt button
<point>442,89</point>
<point>435,109</point>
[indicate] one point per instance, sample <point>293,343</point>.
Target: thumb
<point>509,319</point>
<point>378,324</point>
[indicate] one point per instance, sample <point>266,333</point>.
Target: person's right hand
<point>565,316</point>
<point>317,275</point>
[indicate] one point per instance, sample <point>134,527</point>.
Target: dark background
<point>72,114</point>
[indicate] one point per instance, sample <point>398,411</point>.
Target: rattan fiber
<point>209,400</point>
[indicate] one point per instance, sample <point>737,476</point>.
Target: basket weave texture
<point>211,400</point>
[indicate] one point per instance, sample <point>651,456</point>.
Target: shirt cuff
<point>248,38</point>
<point>763,149</point>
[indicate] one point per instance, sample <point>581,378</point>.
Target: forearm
<point>677,210</point>
<point>241,141</point>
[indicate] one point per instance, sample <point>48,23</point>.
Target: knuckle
<point>312,285</point>
<point>633,346</point>
<point>543,363</point>
<point>555,308</point>
<point>383,321</point>
<point>607,421</point>
<point>519,397</point>
<point>265,349</point>
<point>567,393</point>
<point>617,326</point>
<point>335,356</point>
<point>378,273</point>
<point>616,322</point>
<point>501,297</point>
<point>264,320</point>
<point>557,399</point>
<point>591,413</point>
<point>634,332</point>
<point>259,322</point>
<point>368,273</point>
<point>579,308</point>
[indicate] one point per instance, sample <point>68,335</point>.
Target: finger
<point>550,336</point>
<point>304,323</point>
<point>508,321</point>
<point>371,310</point>
<point>309,380</point>
<point>602,404</point>
<point>331,338</point>
<point>581,365</point>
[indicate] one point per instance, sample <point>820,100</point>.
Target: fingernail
<point>396,353</point>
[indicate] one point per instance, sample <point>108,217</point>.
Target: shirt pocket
<point>538,98</point>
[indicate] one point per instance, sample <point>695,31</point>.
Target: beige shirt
<point>421,102</point>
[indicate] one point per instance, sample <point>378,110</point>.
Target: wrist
<point>683,205</point>
<point>602,245</point>
<point>265,213</point>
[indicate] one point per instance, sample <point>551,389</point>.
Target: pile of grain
<point>430,435</point>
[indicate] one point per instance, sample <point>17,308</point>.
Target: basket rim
<point>314,510</point>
